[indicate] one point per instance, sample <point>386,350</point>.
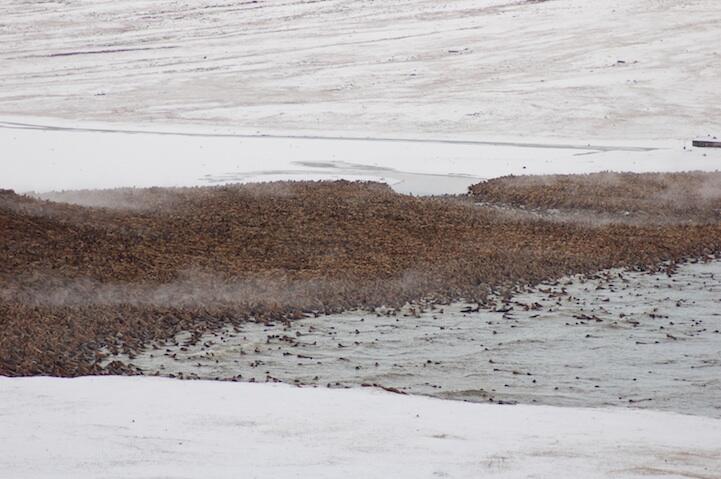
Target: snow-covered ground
<point>586,70</point>
<point>159,428</point>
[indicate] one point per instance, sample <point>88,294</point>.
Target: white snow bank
<point>149,428</point>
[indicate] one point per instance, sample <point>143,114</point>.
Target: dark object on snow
<point>707,143</point>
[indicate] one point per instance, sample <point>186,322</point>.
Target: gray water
<point>626,339</point>
<point>404,182</point>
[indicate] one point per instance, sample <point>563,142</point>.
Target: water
<point>404,182</point>
<point>624,339</point>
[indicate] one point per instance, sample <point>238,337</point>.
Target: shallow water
<point>623,339</point>
<point>405,182</point>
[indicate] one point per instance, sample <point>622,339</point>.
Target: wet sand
<point>620,339</point>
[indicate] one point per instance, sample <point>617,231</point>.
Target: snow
<point>252,91</point>
<point>115,427</point>
<point>612,69</point>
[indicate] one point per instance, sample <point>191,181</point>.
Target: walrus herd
<point>691,197</point>
<point>137,266</point>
